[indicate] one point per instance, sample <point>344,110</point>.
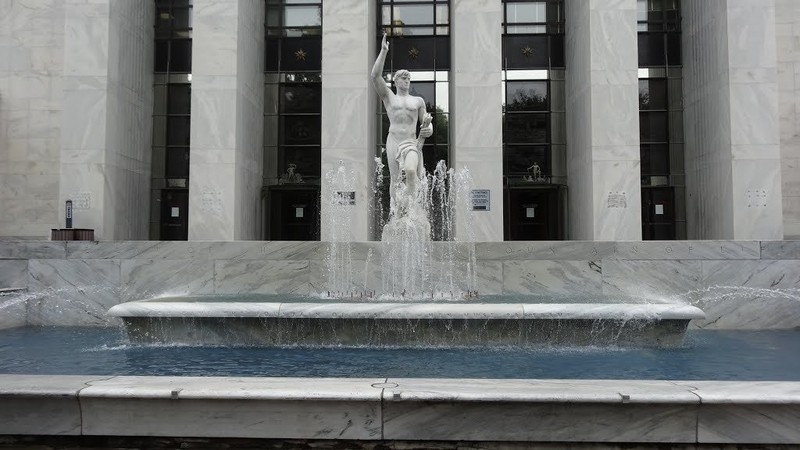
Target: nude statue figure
<point>403,146</point>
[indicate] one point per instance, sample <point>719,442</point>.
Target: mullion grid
<point>662,18</point>
<point>552,25</point>
<point>280,79</point>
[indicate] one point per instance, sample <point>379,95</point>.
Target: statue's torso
<point>403,112</point>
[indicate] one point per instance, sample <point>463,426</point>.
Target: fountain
<point>428,296</point>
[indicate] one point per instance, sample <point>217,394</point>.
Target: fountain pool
<point>722,355</point>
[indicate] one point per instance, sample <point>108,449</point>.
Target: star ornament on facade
<point>413,53</point>
<point>527,51</point>
<point>300,55</point>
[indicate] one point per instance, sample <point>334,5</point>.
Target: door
<point>174,214</point>
<point>294,213</point>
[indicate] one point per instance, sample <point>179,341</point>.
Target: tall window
<point>171,119</point>
<point>419,41</point>
<point>534,126</point>
<point>661,120</point>
<point>292,117</point>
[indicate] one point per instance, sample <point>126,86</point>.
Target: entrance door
<point>294,213</point>
<point>533,214</point>
<point>658,213</point>
<point>174,214</point>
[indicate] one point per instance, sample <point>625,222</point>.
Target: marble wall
<point>739,284</point>
<point>108,105</point>
<point>477,115</point>
<point>130,121</point>
<point>603,121</point>
<point>32,38</point>
<point>349,108</point>
<point>787,16</point>
<point>227,120</point>
<point>731,120</point>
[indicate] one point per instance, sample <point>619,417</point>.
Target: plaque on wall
<point>481,200</point>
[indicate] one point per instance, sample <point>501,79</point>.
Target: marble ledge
<point>406,389</point>
<point>402,311</point>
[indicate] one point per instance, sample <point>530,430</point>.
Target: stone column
<point>348,115</point>
<point>107,117</point>
<point>733,164</point>
<point>227,128</point>
<point>31,70</point>
<point>603,120</point>
<point>476,117</point>
<point>787,18</point>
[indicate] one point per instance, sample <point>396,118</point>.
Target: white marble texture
<point>476,115</point>
<point>603,121</point>
<point>233,407</point>
<point>261,277</point>
<point>651,280</point>
<point>227,120</point>
<point>629,411</point>
<point>413,311</point>
<point>31,66</point>
<point>732,120</point>
<point>72,292</point>
<point>552,277</point>
<point>348,115</point>
<point>151,278</point>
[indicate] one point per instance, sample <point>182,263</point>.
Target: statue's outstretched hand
<point>384,44</point>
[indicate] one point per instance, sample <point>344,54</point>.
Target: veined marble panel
<point>143,279</point>
<point>35,404</point>
<point>552,277</point>
<point>688,250</point>
<point>13,273</point>
<point>536,422</point>
<point>546,250</point>
<point>750,294</point>
<point>770,423</point>
<point>654,281</point>
<point>767,274</point>
<point>132,250</point>
<point>780,249</point>
<point>261,277</point>
<point>11,249</point>
<point>244,418</point>
<point>545,391</point>
<point>72,292</point>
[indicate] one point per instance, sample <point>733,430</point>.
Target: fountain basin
<point>404,324</point>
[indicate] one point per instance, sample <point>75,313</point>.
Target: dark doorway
<point>534,213</point>
<point>174,214</point>
<point>293,213</point>
<point>658,213</point>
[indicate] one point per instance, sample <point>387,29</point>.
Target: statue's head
<point>402,78</point>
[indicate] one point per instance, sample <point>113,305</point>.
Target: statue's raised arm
<point>377,70</point>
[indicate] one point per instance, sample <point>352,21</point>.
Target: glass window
<point>526,96</point>
<point>653,94</point>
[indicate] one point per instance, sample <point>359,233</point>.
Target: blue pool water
<point>707,355</point>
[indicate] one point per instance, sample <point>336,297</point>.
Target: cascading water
<point>422,257</point>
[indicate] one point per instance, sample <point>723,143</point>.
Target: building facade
<point>228,119</point>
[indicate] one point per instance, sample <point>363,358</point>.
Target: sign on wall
<point>481,200</point>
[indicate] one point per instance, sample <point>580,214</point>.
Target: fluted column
<point>733,173</point>
<point>477,111</point>
<point>603,120</point>
<point>227,131</point>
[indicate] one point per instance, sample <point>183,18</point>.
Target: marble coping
<point>372,409</point>
<point>401,311</point>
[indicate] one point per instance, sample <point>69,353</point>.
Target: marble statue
<point>403,146</point>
